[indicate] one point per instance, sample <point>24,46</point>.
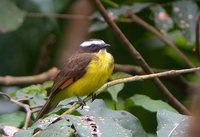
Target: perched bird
<point>82,74</point>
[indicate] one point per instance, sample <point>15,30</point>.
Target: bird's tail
<point>49,105</point>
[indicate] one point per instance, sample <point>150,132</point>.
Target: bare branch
<point>136,56</point>
<point>141,22</point>
<point>131,79</point>
<point>59,16</point>
<point>24,80</point>
<point>24,106</point>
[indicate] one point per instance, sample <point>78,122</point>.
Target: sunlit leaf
<point>31,91</point>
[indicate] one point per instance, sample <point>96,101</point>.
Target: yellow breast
<point>97,73</point>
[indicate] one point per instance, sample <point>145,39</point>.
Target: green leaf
<point>184,15</point>
<point>47,125</point>
<point>10,15</point>
<point>119,75</point>
<point>150,104</point>
<point>13,119</point>
<point>171,124</point>
<point>98,109</point>
<point>33,90</point>
<point>87,126</point>
<point>47,85</point>
<point>152,135</point>
<point>51,6</point>
<point>97,26</point>
<point>44,123</point>
<point>162,20</point>
<point>36,101</point>
<point>8,131</point>
<point>61,128</point>
<point>24,133</point>
<point>115,13</point>
<point>135,8</point>
<point>114,91</point>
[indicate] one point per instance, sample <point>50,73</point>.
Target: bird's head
<point>94,45</point>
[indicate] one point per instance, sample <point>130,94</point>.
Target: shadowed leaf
<point>184,15</point>
<point>150,104</point>
<point>171,124</point>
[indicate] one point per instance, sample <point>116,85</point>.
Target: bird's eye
<point>93,45</point>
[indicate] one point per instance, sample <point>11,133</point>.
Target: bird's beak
<point>105,45</point>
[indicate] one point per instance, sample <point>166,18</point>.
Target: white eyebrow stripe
<point>89,43</point>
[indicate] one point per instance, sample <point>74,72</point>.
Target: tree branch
<point>141,22</point>
<point>178,80</point>
<point>132,79</point>
<point>132,69</point>
<point>24,106</point>
<point>136,55</point>
<point>24,80</point>
<point>59,16</point>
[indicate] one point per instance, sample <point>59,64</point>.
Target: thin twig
<point>35,107</point>
<point>178,80</point>
<point>132,79</point>
<point>132,69</point>
<point>152,29</point>
<point>59,16</point>
<point>24,99</point>
<point>136,55</point>
<point>25,106</point>
<point>24,80</point>
<point>36,110</point>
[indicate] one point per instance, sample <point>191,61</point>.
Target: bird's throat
<point>102,51</point>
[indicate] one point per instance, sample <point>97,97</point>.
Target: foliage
<point>135,109</point>
<point>172,124</point>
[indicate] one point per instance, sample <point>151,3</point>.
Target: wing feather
<point>73,69</point>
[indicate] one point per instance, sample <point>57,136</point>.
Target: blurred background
<point>36,35</point>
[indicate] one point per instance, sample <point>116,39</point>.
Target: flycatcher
<point>82,74</point>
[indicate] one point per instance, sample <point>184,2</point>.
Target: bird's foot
<point>94,96</point>
<point>81,102</point>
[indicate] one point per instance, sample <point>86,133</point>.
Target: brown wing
<point>73,69</point>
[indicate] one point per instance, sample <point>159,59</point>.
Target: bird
<point>82,74</point>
